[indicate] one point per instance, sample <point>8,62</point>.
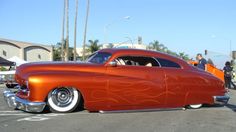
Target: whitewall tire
<point>195,106</point>
<point>63,99</point>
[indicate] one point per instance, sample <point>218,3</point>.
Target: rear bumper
<point>17,103</point>
<point>222,100</point>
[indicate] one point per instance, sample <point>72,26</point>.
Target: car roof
<point>131,51</point>
<point>138,52</point>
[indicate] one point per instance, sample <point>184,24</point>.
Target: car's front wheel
<point>63,99</point>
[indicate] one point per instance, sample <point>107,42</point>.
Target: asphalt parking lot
<point>210,119</point>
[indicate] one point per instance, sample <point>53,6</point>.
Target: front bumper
<point>221,99</point>
<point>15,102</point>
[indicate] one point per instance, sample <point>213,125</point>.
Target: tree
<point>183,56</point>
<point>57,52</point>
<point>172,53</point>
<point>63,30</point>
<point>67,31</point>
<point>71,54</point>
<point>155,45</point>
<point>110,45</point>
<point>85,28</point>
<point>3,68</point>
<point>93,46</point>
<point>76,14</point>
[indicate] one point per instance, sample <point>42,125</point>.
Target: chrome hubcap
<point>62,97</point>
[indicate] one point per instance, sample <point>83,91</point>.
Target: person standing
<point>201,62</point>
<point>228,74</point>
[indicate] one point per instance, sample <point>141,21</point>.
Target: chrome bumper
<point>15,102</point>
<point>221,99</point>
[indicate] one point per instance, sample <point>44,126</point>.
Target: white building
<point>29,52</point>
<point>115,45</point>
<point>125,45</point>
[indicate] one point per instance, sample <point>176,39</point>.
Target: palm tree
<point>93,46</point>
<point>183,56</point>
<point>67,31</point>
<point>85,28</point>
<point>63,28</point>
<point>155,45</point>
<point>76,14</point>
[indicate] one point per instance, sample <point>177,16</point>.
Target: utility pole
<point>67,30</point>
<point>62,36</point>
<point>85,29</point>
<point>76,13</point>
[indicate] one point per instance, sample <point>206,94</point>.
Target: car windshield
<point>99,57</point>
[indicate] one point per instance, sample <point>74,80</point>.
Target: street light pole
<point>130,41</point>
<point>85,29</point>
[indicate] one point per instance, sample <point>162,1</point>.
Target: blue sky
<point>189,26</point>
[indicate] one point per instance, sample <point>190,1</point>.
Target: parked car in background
<point>1,79</point>
<point>7,77</point>
<point>211,69</point>
<point>115,80</point>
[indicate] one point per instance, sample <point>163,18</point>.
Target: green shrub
<point>3,68</point>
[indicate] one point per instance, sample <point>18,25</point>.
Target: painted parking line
<point>41,117</point>
<point>13,113</point>
<point>29,116</point>
<point>34,119</point>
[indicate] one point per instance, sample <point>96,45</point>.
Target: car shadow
<point>231,106</point>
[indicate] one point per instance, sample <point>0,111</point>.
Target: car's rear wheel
<point>63,99</point>
<point>195,106</point>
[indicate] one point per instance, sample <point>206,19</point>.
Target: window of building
<point>39,56</point>
<point>168,63</point>
<point>4,53</point>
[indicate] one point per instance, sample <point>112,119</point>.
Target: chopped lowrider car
<point>115,80</point>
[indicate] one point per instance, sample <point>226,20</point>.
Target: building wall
<point>127,45</point>
<point>115,45</point>
<point>27,51</point>
<point>7,50</point>
<point>36,54</point>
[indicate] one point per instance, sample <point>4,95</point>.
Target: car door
<point>175,95</point>
<point>136,86</point>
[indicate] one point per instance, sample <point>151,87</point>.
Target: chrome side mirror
<point>112,64</point>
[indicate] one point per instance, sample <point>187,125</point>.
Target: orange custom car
<point>115,80</point>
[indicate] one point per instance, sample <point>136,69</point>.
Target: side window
<point>168,63</point>
<point>137,61</point>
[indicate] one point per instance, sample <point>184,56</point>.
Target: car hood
<point>23,71</point>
